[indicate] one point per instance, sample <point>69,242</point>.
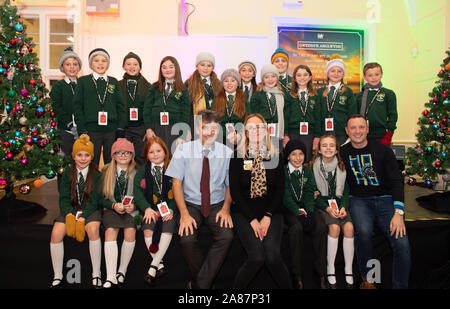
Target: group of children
<point>138,125</point>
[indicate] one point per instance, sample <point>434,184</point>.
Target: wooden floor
<point>48,196</point>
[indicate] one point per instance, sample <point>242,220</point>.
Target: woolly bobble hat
<point>292,145</point>
<point>122,144</point>
<point>132,55</point>
<point>230,72</point>
<point>246,62</point>
<point>83,143</point>
<point>335,61</point>
<point>204,56</point>
<point>68,53</point>
<point>98,51</point>
<point>268,68</point>
<point>279,52</point>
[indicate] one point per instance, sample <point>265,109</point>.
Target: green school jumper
<point>381,111</point>
<point>87,104</point>
<point>62,94</point>
<point>293,191</point>
<point>296,113</point>
<point>343,107</point>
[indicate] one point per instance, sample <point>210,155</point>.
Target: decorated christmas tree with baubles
<point>29,143</point>
<point>429,159</point>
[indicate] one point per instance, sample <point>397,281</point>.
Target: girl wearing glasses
<point>119,210</point>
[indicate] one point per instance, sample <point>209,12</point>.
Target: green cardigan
<point>139,193</point>
<point>344,107</point>
<point>382,114</point>
<point>62,96</point>
<point>258,104</point>
<point>294,115</point>
<point>142,89</point>
<point>307,200</point>
<point>87,105</point>
<point>178,106</point>
<point>65,203</point>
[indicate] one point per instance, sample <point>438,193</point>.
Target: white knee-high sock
<point>332,247</point>
<point>148,242</point>
<point>164,243</point>
<point>57,255</point>
<point>125,255</point>
<point>349,250</point>
<point>95,250</point>
<point>111,254</point>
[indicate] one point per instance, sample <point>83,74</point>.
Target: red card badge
<point>333,204</point>
<point>329,124</point>
<point>133,114</point>
<point>304,128</point>
<point>102,118</point>
<point>163,209</point>
<point>272,129</point>
<point>127,200</point>
<point>164,118</point>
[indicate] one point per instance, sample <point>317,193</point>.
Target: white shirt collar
<point>208,79</point>
<point>292,168</point>
<point>233,94</point>
<point>96,76</point>
<point>337,85</point>
<point>282,75</point>
<point>249,85</point>
<point>119,169</point>
<point>302,90</point>
<point>84,172</point>
<point>160,164</point>
<point>68,80</point>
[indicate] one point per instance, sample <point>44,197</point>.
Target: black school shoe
<point>150,280</point>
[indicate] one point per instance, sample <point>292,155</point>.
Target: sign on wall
<point>102,7</point>
<point>314,47</point>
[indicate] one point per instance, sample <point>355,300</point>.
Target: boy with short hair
<point>280,59</point>
<point>98,106</point>
<point>378,104</point>
<point>62,94</point>
<point>134,89</point>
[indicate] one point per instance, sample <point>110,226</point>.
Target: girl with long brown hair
<point>79,210</point>
<point>230,105</point>
<point>167,104</point>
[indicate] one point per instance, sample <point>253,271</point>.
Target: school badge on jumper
<point>380,97</point>
<point>342,100</point>
<point>111,88</point>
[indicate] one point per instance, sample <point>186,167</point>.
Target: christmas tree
<point>29,143</point>
<point>429,158</point>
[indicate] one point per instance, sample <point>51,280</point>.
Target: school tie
<point>204,186</point>
<point>101,85</point>
<point>131,85</point>
<point>332,184</point>
<point>282,79</point>
<point>296,173</point>
<point>273,103</point>
<point>121,180</point>
<point>331,94</point>
<point>208,88</point>
<point>81,183</point>
<point>230,103</point>
<point>247,93</point>
<point>157,173</point>
<point>167,90</point>
<point>303,99</point>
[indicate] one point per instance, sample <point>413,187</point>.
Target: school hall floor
<point>25,256</point>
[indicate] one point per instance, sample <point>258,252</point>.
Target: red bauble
<point>52,114</point>
<point>34,134</point>
<point>431,121</point>
<point>5,65</point>
<point>437,163</point>
<point>425,113</point>
<point>12,42</point>
<point>32,82</point>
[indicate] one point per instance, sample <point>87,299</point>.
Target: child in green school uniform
<point>300,114</point>
<point>269,101</point>
<point>230,105</point>
<point>167,106</point>
<point>62,94</point>
<point>154,197</point>
<point>79,211</point>
<point>334,104</point>
<point>299,212</point>
<point>378,104</point>
<point>203,84</point>
<point>280,59</point>
<point>134,89</point>
<point>247,72</point>
<point>98,106</point>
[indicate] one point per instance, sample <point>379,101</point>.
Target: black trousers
<point>313,225</point>
<point>135,136</point>
<point>105,140</point>
<point>260,253</point>
<point>204,270</point>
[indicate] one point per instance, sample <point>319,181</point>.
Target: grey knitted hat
<point>68,53</point>
<point>95,52</point>
<point>268,68</point>
<point>230,72</point>
<point>204,56</point>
